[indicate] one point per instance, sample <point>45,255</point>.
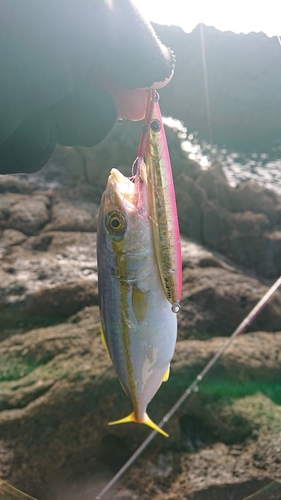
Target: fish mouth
<point>118,177</point>
<point>121,186</point>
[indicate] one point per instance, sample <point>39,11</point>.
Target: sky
<point>238,16</point>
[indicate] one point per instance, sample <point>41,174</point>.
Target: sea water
<point>264,168</point>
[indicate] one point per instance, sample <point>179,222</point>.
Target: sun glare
<point>240,16</point>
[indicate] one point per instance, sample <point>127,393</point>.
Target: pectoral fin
<point>140,303</point>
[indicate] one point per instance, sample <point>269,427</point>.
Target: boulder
<point>195,255</point>
<point>216,299</point>
<point>244,242</point>
<point>51,275</point>
<point>6,203</point>
<point>216,225</point>
<point>15,184</point>
<point>11,237</point>
<point>190,199</point>
<point>27,214</point>
<point>214,183</point>
<point>237,235</point>
<point>62,300</point>
<point>253,356</point>
<point>242,222</point>
<point>251,196</point>
<point>246,196</point>
<point>73,215</point>
<point>269,263</point>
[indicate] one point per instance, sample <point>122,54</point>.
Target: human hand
<point>69,69</point>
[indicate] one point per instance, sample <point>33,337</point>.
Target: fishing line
<point>206,82</point>
<point>193,386</point>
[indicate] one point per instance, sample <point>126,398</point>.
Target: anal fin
<point>167,374</point>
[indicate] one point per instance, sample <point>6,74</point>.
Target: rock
<point>248,196</point>
<point>27,214</point>
<point>6,203</point>
<point>235,221</point>
<point>251,196</point>
<point>52,275</point>
<point>216,300</point>
<point>244,243</point>
<point>13,237</point>
<point>253,356</point>
<point>216,225</point>
<point>46,365</point>
<point>190,199</point>
<point>269,264</point>
<point>59,389</point>
<point>62,300</point>
<point>220,472</point>
<point>214,183</point>
<point>194,256</point>
<point>54,241</point>
<point>73,216</point>
<point>14,184</point>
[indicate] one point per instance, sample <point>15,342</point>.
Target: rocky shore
<point>58,389</point>
<point>243,222</point>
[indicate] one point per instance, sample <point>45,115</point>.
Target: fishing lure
<point>162,200</point>
<point>138,276</point>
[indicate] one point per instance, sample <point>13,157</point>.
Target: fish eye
<point>116,224</point>
<point>155,126</point>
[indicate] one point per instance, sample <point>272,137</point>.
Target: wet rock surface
<point>48,258</point>
<point>216,300</point>
<point>242,222</point>
<point>58,389</point>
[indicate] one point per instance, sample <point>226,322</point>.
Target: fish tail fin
<point>145,420</point>
<point>125,420</point>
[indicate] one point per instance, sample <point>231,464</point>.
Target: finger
<point>131,103</point>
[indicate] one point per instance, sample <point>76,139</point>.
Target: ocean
<point>264,168</point>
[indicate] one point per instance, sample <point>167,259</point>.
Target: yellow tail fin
<point>146,420</point>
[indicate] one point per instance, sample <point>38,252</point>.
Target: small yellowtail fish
<point>139,326</point>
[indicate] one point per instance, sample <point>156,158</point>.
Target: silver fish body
<point>138,324</point>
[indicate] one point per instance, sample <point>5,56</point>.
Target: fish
<point>139,327</point>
